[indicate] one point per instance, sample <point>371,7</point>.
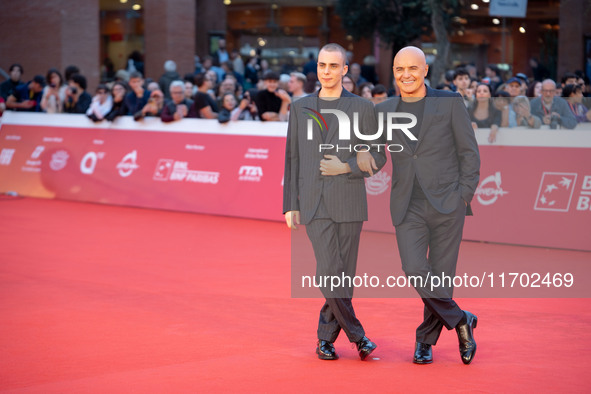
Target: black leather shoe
<point>325,351</point>
<point>466,337</point>
<point>423,353</point>
<point>365,347</point>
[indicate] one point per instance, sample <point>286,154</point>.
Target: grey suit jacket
<point>344,195</point>
<point>446,160</point>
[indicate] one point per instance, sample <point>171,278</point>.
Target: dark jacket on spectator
<point>169,109</point>
<point>165,81</point>
<point>135,103</point>
<point>118,109</point>
<point>8,88</point>
<point>22,93</point>
<point>81,105</point>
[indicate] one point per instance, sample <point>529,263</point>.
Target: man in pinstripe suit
<point>324,189</point>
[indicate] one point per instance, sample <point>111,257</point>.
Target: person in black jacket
<point>8,87</point>
<point>176,108</point>
<point>119,91</point>
<point>77,99</point>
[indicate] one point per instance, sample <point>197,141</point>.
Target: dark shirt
<point>169,109</point>
<point>165,81</point>
<point>8,88</point>
<point>22,93</point>
<point>80,106</point>
<point>417,109</point>
<point>135,103</point>
<point>267,102</point>
<point>250,74</point>
<point>200,101</point>
<point>118,109</point>
<point>224,116</point>
<point>494,117</point>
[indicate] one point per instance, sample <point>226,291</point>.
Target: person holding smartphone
<point>77,99</point>
<point>54,94</point>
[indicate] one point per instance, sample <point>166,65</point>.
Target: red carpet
<point>113,299</point>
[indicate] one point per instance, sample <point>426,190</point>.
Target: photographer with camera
<point>77,99</point>
<point>231,110</point>
<point>247,109</point>
<point>553,110</point>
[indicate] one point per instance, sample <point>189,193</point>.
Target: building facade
<point>102,35</point>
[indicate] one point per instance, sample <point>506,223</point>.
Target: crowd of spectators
<point>225,87</point>
<point>520,101</point>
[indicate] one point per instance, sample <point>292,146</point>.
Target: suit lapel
<point>343,105</point>
<point>428,112</point>
<point>317,131</point>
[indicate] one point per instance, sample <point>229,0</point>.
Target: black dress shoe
<point>466,337</point>
<point>423,353</point>
<point>325,351</point>
<point>365,347</point>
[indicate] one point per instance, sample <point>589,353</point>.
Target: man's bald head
<point>410,69</point>
<point>412,52</point>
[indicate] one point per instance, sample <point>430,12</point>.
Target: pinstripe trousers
<point>335,247</point>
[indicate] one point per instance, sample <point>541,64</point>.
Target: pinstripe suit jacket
<point>344,195</point>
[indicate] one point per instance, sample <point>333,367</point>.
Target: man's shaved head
<point>410,69</point>
<point>415,52</point>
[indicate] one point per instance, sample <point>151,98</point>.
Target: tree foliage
<point>399,22</point>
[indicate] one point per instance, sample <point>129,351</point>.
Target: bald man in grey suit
<point>433,181</point>
<point>324,189</point>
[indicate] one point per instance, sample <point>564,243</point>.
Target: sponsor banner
<point>194,172</point>
<point>533,196</point>
<point>528,195</point>
<point>537,196</point>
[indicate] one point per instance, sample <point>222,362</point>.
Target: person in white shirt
<point>101,104</point>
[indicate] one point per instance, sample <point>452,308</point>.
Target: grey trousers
<point>335,248</point>
<point>429,244</point>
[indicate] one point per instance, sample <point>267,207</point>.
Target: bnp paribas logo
<point>345,126</point>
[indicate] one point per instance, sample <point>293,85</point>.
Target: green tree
<point>400,22</point>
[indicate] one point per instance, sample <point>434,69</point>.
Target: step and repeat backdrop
<point>535,185</point>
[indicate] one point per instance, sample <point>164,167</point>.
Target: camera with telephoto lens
<point>554,122</point>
